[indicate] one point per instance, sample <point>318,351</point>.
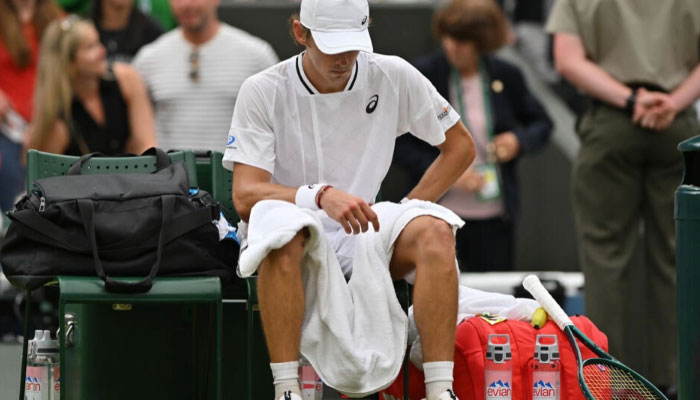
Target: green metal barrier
<point>687,216</point>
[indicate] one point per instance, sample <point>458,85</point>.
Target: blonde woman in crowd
<point>82,105</point>
<point>22,22</point>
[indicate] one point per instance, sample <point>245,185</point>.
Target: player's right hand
<point>353,213</point>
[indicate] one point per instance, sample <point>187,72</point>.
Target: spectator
<point>639,62</point>
<point>81,105</point>
<point>21,25</point>
<point>331,114</point>
<point>123,28</point>
<point>503,116</point>
<point>193,74</point>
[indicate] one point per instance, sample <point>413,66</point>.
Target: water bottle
<point>43,371</point>
<point>498,369</point>
<point>311,385</point>
<point>546,368</point>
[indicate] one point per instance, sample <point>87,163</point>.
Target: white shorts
<point>393,218</point>
<point>343,244</point>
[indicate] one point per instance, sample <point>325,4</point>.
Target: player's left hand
<point>353,213</point>
<point>507,146</point>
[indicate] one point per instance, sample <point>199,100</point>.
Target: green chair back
<point>218,181</point>
<point>42,165</point>
<point>222,186</point>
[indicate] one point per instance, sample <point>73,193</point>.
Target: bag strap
<point>77,167</point>
<point>178,227</point>
<point>87,212</point>
<point>33,226</point>
<point>162,160</point>
<point>39,229</point>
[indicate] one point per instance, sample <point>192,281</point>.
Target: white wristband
<point>306,196</point>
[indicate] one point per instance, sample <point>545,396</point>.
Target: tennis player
<point>318,130</point>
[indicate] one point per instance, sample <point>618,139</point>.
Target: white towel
<point>354,334</point>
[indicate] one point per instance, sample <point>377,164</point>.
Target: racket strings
<point>609,382</point>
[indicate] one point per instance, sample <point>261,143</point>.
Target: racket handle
<point>533,285</point>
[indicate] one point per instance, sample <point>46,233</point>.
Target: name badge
<point>492,185</point>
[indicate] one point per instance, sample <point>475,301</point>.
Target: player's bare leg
<point>427,245</point>
<point>281,299</point>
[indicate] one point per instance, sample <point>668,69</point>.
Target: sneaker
<point>288,395</point>
<point>447,395</point>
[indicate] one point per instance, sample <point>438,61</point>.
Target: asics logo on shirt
<point>372,105</point>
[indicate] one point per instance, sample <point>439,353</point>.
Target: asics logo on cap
<point>364,20</point>
<point>372,105</point>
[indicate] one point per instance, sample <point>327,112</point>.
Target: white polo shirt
<point>283,125</point>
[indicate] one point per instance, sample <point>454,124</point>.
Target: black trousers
<point>486,245</point>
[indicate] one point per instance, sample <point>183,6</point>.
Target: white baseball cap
<point>337,26</point>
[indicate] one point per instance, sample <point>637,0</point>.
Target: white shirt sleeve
<point>251,140</point>
<point>423,111</point>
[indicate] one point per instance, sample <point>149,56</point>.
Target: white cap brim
<point>330,42</point>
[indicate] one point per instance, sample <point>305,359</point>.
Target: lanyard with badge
<point>488,170</point>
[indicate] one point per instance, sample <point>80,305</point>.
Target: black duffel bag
<point>113,225</point>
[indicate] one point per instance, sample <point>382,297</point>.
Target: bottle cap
<point>44,345</point>
<point>498,349</point>
<point>546,352</point>
<point>31,345</point>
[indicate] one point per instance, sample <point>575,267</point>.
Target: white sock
<point>438,378</point>
<point>286,378</point>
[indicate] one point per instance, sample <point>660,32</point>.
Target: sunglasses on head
<point>194,65</point>
<point>69,22</point>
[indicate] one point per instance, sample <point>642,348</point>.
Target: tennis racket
<point>602,378</point>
